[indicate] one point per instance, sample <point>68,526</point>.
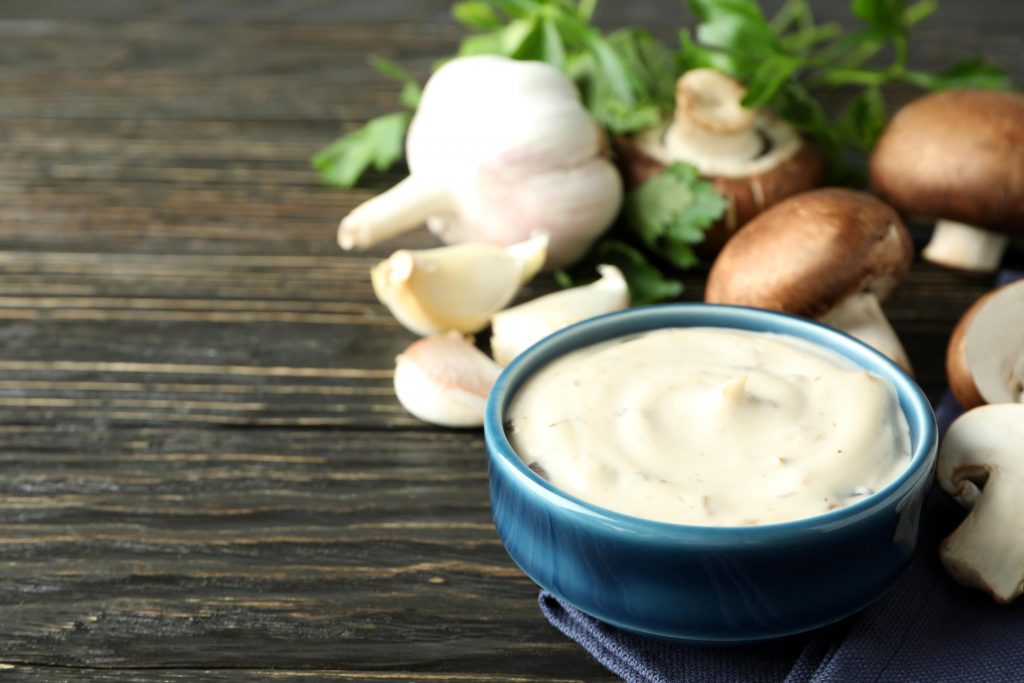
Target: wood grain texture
<point>203,471</point>
<point>158,547</point>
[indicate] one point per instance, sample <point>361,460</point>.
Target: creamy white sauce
<point>710,426</point>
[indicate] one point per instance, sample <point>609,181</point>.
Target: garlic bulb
<point>460,287</point>
<point>515,329</point>
<point>499,149</point>
<point>445,380</point>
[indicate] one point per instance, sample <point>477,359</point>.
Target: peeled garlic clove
<point>455,288</point>
<point>517,328</point>
<point>445,380</point>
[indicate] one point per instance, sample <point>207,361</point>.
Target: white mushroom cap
<point>981,464</point>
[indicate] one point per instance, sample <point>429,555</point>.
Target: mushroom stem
<point>861,316</point>
<point>965,247</point>
<point>710,119</point>
<point>392,213</point>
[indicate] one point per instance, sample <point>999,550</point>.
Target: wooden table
<point>202,465</point>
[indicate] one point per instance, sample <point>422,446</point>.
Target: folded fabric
<point>926,628</point>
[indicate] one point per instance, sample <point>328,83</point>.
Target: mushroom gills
<point>965,247</point>
<point>994,346</point>
<point>770,142</point>
<point>981,467</point>
<point>713,131</point>
<point>860,315</point>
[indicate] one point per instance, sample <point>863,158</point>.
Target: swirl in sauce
<point>710,426</point>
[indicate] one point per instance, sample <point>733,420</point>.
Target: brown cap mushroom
<point>753,158</point>
<point>828,254</point>
<point>981,465</point>
<point>985,356</point>
<point>957,156</point>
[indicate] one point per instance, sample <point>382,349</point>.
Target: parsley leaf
<point>647,284</point>
<point>411,89</point>
<point>478,15</point>
<point>972,73</point>
<point>671,211</point>
<point>378,145</point>
<point>668,214</point>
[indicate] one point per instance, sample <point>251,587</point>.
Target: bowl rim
<point>917,411</point>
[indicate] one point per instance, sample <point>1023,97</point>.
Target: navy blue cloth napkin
<point>926,628</point>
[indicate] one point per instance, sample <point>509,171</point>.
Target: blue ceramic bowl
<point>696,583</point>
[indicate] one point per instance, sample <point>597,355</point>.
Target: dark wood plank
<point>189,547</point>
<point>15,672</point>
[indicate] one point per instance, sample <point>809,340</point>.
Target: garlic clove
<point>445,380</point>
<point>457,288</point>
<point>517,328</point>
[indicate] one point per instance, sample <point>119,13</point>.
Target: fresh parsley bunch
<point>627,81</point>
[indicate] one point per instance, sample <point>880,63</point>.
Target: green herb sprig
<point>627,81</point>
<point>788,60</point>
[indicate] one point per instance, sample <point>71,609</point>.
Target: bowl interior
<point>914,404</point>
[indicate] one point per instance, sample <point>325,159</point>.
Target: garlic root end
<point>400,209</point>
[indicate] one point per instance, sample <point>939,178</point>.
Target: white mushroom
<point>460,287</point>
<point>981,464</point>
<point>753,158</point>
<point>985,357</point>
<point>445,380</point>
<point>517,328</point>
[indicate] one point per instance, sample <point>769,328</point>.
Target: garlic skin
<point>516,329</point>
<point>444,380</point>
<point>498,150</point>
<point>431,291</point>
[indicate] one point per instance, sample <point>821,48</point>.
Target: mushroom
<point>981,465</point>
<point>985,356</point>
<point>828,254</point>
<point>753,158</point>
<point>444,380</point>
<point>957,156</point>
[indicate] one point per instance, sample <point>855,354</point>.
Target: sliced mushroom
<point>958,157</point>
<point>981,465</point>
<point>753,158</point>
<point>985,356</point>
<point>445,380</point>
<point>828,254</point>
